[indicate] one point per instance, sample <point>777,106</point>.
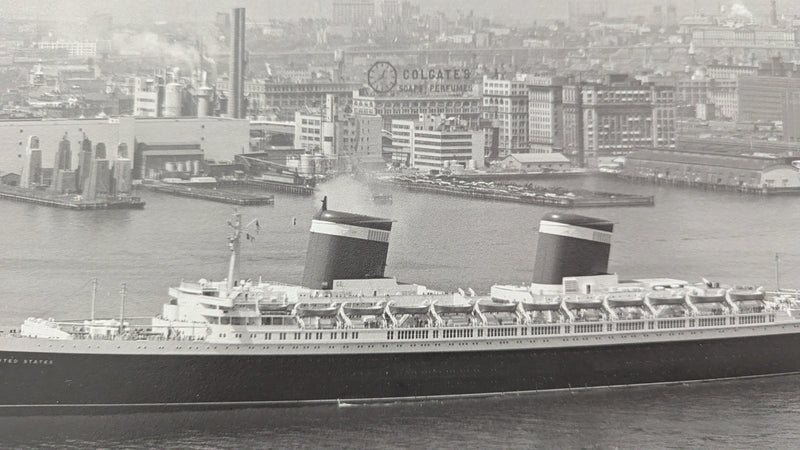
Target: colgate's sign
<point>436,74</point>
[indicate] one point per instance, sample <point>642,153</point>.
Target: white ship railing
<point>263,334</point>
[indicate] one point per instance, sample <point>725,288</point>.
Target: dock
<point>73,202</point>
<point>270,186</point>
<point>708,186</point>
<point>213,194</point>
<point>578,199</point>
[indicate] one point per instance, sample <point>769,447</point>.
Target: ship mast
<point>234,241</point>
<point>122,308</point>
<point>94,297</point>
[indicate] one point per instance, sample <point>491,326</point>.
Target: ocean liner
<point>351,334</point>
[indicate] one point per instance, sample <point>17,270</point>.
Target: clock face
<point>382,76</point>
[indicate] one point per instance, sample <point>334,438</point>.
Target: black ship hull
<point>58,382</point>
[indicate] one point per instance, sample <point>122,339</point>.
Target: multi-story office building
<point>743,37</point>
<point>725,97</point>
<point>148,97</point>
<point>610,119</point>
<point>351,138</point>
<point>791,118</point>
<point>762,98</point>
<point>693,91</point>
<point>466,108</point>
<point>353,12</point>
<point>436,143</point>
<point>283,100</point>
<point>729,71</point>
<point>73,48</point>
<point>506,101</point>
<point>545,113</point>
<point>311,135</point>
<point>664,112</point>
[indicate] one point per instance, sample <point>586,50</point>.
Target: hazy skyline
<point>510,11</point>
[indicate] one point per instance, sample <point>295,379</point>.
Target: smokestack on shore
<point>236,102</point>
<point>571,246</point>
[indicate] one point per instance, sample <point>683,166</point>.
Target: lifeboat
<point>707,296</point>
<point>358,311</point>
<point>453,309</point>
<point>629,303</point>
<point>267,308</point>
<point>666,298</point>
<point>584,305</point>
<point>400,310</point>
<point>497,307</point>
<point>746,294</point>
<point>541,306</point>
<point>318,312</point>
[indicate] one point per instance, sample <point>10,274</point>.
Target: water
<point>49,257</point>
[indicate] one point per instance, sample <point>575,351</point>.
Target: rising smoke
<point>151,45</point>
<point>740,12</point>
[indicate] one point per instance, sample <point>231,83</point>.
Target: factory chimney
<point>236,104</point>
<point>773,13</point>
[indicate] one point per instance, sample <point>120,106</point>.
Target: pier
<point>214,195</point>
<point>516,194</point>
<point>68,202</point>
<point>270,186</point>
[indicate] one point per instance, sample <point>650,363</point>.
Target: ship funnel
<point>571,246</point>
<point>345,246</point>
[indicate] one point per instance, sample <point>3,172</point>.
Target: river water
<point>49,257</point>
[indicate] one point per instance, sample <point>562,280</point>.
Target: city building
<point>31,164</point>
<point>602,121</point>
<point>506,101</point>
<point>282,100</point>
<point>762,98</point>
<point>744,37</point>
<point>724,95</point>
<point>148,96</point>
<point>73,48</point>
<point>729,71</point>
<point>466,107</point>
<point>352,139</point>
<point>358,13</point>
<point>545,114</point>
<point>437,143</point>
<point>791,118</point>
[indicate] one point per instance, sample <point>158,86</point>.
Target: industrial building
<point>535,162</point>
<point>217,138</point>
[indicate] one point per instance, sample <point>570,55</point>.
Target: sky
<point>517,11</point>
